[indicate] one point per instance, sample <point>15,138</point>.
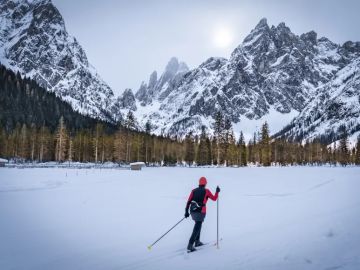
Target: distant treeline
<point>38,126</point>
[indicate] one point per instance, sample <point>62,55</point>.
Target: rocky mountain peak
<point>153,79</point>
<point>262,24</point>
<point>34,41</point>
<point>310,37</point>
<point>173,67</point>
<point>159,88</point>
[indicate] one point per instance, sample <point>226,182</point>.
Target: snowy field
<point>270,218</point>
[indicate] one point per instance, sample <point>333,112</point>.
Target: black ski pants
<point>195,236</point>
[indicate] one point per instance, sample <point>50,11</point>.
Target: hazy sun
<point>223,37</point>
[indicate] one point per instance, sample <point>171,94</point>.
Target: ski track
<point>48,186</point>
<point>321,184</point>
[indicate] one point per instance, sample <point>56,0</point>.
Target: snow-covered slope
<point>34,41</point>
<point>273,73</point>
<point>290,218</point>
<point>337,104</point>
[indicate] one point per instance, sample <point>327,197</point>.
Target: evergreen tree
<point>218,134</point>
<point>97,140</point>
<point>265,145</point>
<point>148,128</point>
<point>130,125</point>
<point>24,144</point>
<point>242,150</point>
<point>61,137</point>
<point>189,149</point>
<point>214,151</point>
<point>71,149</point>
<point>343,146</point>
<point>44,144</point>
<point>228,143</point>
<point>130,122</point>
<point>202,155</point>
<point>33,142</point>
<point>208,151</point>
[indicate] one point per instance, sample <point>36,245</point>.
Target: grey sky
<point>126,40</point>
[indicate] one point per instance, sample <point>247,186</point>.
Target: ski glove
<point>187,214</point>
<point>217,189</point>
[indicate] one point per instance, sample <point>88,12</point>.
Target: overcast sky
<point>126,40</point>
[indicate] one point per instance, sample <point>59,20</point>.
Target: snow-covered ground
<point>270,218</point>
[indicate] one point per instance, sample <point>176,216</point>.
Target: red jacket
<point>197,194</point>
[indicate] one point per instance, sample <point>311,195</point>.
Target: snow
<point>278,60</point>
<point>275,119</point>
<point>137,163</point>
<point>270,218</point>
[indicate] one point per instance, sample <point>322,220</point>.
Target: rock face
<point>126,101</point>
<point>272,70</point>
<point>336,105</point>
<point>34,41</point>
<point>159,89</point>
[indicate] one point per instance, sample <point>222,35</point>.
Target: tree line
<point>127,144</point>
<point>36,125</point>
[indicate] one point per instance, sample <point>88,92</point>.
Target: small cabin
<point>136,166</point>
<point>2,162</point>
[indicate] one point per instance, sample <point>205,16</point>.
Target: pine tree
<point>24,143</point>
<point>60,137</point>
<point>130,122</point>
<point>148,128</point>
<point>202,155</point>
<point>214,151</point>
<point>242,150</point>
<point>254,150</point>
<point>33,142</point>
<point>43,144</point>
<point>71,149</point>
<point>189,149</point>
<point>334,154</point>
<point>343,146</point>
<point>218,134</point>
<point>265,145</point>
<point>130,125</point>
<point>227,139</point>
<point>97,139</point>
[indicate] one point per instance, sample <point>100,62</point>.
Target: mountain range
<point>304,86</point>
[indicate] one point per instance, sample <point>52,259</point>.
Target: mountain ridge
<point>273,75</point>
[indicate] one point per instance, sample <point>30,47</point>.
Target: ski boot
<point>198,243</point>
<point>190,248</point>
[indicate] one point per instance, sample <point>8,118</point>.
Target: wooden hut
<point>2,162</point>
<point>136,166</point>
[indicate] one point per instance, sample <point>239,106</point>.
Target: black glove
<point>187,214</point>
<point>217,189</point>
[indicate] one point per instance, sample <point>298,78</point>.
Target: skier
<point>197,204</point>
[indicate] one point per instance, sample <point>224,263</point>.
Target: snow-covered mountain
<point>271,76</point>
<point>336,105</point>
<point>34,41</point>
<point>274,75</point>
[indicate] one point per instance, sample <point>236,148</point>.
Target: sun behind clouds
<point>223,37</point>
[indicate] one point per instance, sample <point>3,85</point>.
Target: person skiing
<point>197,205</point>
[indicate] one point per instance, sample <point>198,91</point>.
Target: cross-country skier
<point>197,205</point>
